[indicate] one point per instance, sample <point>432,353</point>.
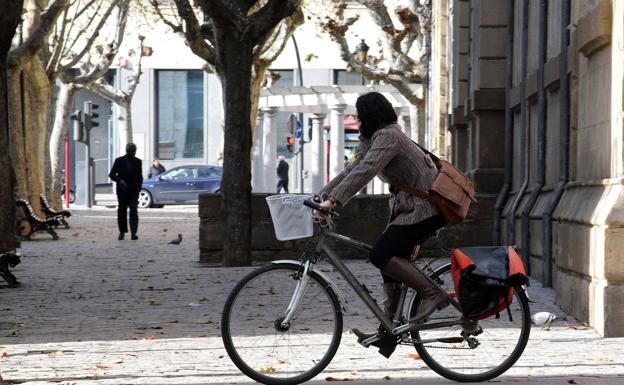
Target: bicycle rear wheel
<point>257,343</point>
<point>497,347</point>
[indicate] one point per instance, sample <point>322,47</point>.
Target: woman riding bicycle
<point>385,151</point>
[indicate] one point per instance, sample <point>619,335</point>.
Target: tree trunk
<point>124,122</point>
<point>38,98</point>
<point>235,72</point>
<point>49,176</point>
<point>256,88</point>
<point>17,131</point>
<point>58,137</point>
<point>9,19</point>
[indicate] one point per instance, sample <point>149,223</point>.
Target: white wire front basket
<point>291,219</point>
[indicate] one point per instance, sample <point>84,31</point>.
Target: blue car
<point>180,185</point>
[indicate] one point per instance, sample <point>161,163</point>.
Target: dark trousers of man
<point>127,199</point>
<point>282,184</point>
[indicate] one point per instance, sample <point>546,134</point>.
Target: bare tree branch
<point>82,31</point>
<point>192,32</point>
<point>402,69</point>
<point>122,4</point>
<point>136,74</point>
<point>269,52</point>
<point>267,17</point>
<point>176,28</point>
<point>218,10</point>
<point>58,44</point>
<point>35,42</point>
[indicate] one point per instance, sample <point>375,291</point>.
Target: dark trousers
<point>127,199</point>
<point>282,184</point>
<point>399,241</point>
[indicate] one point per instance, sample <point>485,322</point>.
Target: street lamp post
<point>300,117</point>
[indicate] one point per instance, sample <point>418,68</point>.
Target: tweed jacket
<point>392,156</point>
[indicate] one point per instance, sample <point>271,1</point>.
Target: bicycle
<point>282,323</point>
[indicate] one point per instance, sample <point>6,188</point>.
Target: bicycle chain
<point>436,347</point>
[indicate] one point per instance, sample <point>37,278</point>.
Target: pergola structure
<point>320,101</point>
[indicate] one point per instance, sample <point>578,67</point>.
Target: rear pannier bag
<point>484,278</point>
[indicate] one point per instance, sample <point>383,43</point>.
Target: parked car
<point>180,185</point>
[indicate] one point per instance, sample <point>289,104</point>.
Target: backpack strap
<point>431,154</point>
<point>415,190</point>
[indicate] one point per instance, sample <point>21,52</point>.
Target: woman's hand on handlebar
<point>327,204</point>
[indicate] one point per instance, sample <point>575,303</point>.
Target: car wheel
<point>145,199</point>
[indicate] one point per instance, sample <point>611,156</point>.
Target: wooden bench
<point>51,213</point>
<point>32,223</point>
<point>9,260</point>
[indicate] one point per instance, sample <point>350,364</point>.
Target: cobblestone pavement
<point>95,310</point>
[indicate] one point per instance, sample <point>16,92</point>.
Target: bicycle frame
<point>322,248</point>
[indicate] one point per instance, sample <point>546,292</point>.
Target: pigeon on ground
<point>543,319</point>
<point>176,241</point>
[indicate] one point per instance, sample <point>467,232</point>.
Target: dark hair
<point>374,112</point>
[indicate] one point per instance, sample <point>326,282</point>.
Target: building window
<point>348,78</point>
<point>180,114</point>
<point>282,78</point>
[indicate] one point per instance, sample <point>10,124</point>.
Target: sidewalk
<point>94,310</point>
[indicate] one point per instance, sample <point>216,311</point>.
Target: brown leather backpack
<point>451,191</point>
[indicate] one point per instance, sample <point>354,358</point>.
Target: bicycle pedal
<point>365,339</point>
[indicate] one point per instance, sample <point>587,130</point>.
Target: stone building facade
<point>534,97</point>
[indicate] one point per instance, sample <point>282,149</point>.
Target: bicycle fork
<point>295,301</point>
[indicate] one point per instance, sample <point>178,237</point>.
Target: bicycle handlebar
<point>316,206</point>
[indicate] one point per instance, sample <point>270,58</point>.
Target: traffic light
<point>290,143</point>
<point>292,123</point>
<point>91,115</point>
<point>77,125</point>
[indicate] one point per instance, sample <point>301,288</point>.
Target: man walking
<point>282,174</point>
<point>127,173</point>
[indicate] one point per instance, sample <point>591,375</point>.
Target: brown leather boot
<point>387,343</point>
<point>432,297</point>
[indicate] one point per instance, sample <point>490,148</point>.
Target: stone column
<point>336,151</point>
<point>257,167</point>
<point>317,155</point>
<point>269,149</point>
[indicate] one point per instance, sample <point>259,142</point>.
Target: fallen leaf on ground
<point>98,366</point>
<point>387,378</point>
<point>282,361</point>
<point>154,303</point>
<point>414,356</point>
<point>338,379</point>
<point>5,355</point>
<point>149,338</point>
<point>267,369</point>
<point>572,381</point>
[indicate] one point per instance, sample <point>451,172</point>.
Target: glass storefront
<point>180,114</point>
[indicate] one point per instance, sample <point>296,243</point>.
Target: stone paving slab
<point>94,310</point>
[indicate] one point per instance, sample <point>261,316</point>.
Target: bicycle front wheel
<point>257,342</point>
<point>493,347</point>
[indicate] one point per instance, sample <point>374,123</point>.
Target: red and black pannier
<point>484,278</point>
